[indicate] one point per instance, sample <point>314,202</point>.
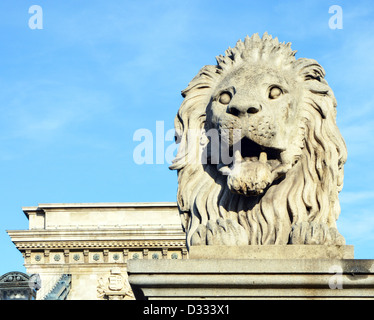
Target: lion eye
<point>225,98</point>
<point>275,92</point>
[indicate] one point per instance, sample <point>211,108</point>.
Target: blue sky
<point>73,94</point>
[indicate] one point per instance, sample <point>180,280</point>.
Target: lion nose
<point>241,110</point>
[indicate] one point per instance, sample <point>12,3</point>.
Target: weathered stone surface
<point>261,158</point>
<point>272,252</point>
<point>252,279</point>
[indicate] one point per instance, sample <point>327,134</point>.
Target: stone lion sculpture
<point>275,175</point>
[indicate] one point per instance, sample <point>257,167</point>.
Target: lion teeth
<point>263,157</point>
<point>237,156</point>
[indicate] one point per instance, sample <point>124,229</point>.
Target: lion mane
<point>295,209</point>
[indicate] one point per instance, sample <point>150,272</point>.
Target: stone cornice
<point>33,245</point>
<point>100,206</point>
<point>107,205</point>
<point>103,232</point>
<point>98,235</point>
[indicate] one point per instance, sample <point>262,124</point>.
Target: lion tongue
<point>249,177</point>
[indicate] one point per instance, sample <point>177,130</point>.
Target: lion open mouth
<point>252,151</point>
<point>254,168</point>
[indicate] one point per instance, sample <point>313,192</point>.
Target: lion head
<point>261,158</point>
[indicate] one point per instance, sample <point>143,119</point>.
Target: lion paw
<point>315,233</point>
<point>226,232</point>
<point>199,236</point>
<point>220,232</point>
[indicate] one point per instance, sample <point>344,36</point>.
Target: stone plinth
<point>272,252</point>
<point>253,278</point>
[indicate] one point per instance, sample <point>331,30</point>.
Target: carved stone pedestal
<point>253,278</point>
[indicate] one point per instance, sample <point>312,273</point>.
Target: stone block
<point>252,279</point>
<point>272,252</point>
<point>256,272</point>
